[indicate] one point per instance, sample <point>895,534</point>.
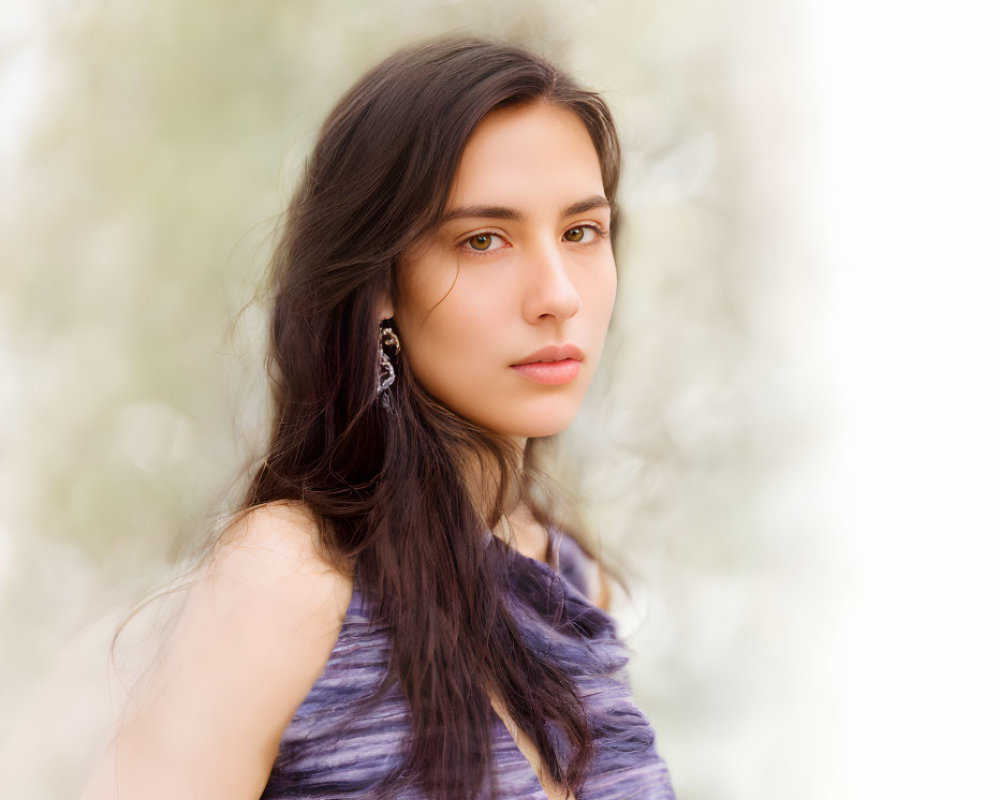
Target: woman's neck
<point>518,526</point>
<point>524,533</point>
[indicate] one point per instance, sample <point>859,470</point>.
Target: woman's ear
<point>383,306</point>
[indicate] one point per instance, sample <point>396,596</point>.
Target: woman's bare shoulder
<point>270,559</point>
<point>272,556</point>
<point>254,633</point>
<point>285,534</point>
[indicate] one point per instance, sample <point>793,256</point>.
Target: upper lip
<point>553,352</point>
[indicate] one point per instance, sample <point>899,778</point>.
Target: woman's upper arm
<point>253,636</point>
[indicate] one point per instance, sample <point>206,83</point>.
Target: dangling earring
<point>389,347</point>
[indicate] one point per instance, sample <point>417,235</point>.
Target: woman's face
<point>503,309</point>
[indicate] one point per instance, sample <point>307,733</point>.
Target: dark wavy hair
<point>387,485</point>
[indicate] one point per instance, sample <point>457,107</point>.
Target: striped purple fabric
<point>331,751</point>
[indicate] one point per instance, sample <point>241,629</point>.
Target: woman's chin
<point>532,426</point>
<point>516,416</point>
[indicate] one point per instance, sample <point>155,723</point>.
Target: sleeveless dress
<point>329,751</point>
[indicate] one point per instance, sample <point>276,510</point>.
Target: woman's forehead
<point>523,154</point>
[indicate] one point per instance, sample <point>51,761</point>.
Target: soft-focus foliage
<point>148,151</point>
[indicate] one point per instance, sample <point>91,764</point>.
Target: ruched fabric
<point>346,741</point>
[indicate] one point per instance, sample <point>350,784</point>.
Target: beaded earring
<point>389,348</point>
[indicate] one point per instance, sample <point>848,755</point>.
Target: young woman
<point>396,612</point>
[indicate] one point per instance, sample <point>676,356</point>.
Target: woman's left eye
<point>581,234</point>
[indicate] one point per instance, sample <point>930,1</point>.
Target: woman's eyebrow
<point>488,212</point>
<point>596,201</point>
<point>502,212</point>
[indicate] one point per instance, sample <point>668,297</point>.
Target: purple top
<point>330,752</point>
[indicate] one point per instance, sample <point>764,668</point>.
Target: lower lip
<point>551,373</point>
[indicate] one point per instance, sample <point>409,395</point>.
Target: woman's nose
<point>549,289</point>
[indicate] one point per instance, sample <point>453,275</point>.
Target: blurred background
<point>793,443</point>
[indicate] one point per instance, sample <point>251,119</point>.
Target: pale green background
<point>149,149</point>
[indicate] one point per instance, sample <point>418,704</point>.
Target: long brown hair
<point>385,480</point>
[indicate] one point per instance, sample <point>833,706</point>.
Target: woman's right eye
<point>484,242</point>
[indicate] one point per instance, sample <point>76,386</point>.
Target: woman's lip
<point>550,373</point>
<point>554,352</point>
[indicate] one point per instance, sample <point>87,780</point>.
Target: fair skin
<point>251,640</point>
<point>522,261</point>
<point>259,625</point>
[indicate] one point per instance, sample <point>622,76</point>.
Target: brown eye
<point>481,241</point>
<point>575,234</point>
